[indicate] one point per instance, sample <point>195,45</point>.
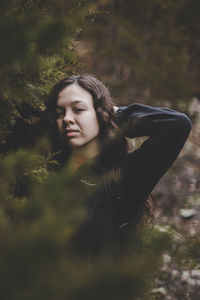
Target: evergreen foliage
<point>37,39</point>
<point>40,258</point>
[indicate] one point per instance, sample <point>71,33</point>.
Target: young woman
<point>88,126</point>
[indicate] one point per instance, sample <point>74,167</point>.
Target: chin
<point>75,144</point>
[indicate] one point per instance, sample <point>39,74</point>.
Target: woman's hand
<point>115,108</point>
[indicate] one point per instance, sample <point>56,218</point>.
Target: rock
<point>160,291</point>
<point>195,274</point>
<point>185,276</point>
<point>166,258</point>
<point>187,212</point>
<point>175,273</point>
<point>191,281</point>
<point>191,277</point>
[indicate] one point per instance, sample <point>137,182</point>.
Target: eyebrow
<point>73,102</point>
<point>78,102</point>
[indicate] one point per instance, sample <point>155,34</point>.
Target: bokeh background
<point>144,51</point>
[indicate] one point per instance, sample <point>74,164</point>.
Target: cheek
<point>97,126</point>
<point>89,122</point>
<point>94,124</point>
<point>94,128</point>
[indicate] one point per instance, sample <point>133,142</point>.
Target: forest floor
<point>178,195</point>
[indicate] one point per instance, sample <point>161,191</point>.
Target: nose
<point>68,118</point>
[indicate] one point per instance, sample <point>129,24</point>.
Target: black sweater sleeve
<point>141,170</point>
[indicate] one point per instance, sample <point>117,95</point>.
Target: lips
<point>71,132</point>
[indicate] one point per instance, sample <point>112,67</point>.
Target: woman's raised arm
<point>141,170</point>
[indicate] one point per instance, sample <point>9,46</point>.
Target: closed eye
<point>78,109</point>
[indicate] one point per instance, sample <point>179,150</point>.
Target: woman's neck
<point>84,153</point>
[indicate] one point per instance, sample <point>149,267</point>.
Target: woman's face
<point>76,117</point>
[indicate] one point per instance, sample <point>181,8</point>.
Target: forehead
<point>72,93</point>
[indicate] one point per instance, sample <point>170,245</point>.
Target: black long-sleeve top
<point>112,213</point>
